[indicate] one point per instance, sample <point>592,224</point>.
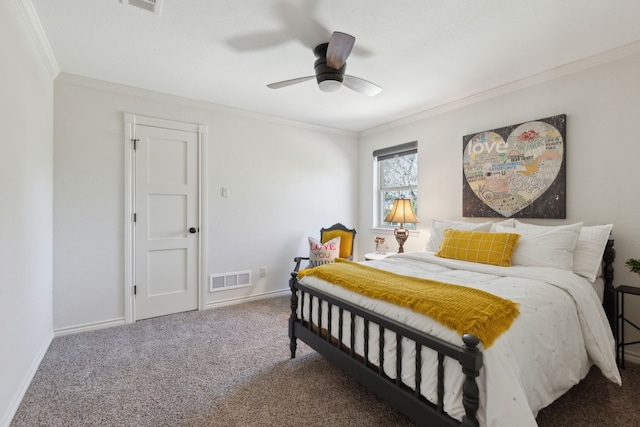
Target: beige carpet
<point>230,367</point>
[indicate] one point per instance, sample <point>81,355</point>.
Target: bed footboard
<point>609,291</point>
<point>407,400</point>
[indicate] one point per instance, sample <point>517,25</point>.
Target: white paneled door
<point>166,221</point>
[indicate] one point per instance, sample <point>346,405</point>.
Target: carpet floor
<point>230,366</point>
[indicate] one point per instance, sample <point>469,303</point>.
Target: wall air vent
<point>221,282</point>
<point>152,6</point>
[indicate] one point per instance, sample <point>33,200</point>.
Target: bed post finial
<point>471,361</point>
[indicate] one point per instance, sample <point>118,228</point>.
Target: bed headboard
<point>607,274</point>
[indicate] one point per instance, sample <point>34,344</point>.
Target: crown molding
<point>573,67</point>
<point>194,103</point>
<point>30,18</point>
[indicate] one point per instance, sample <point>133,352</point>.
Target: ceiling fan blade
<point>339,49</point>
<point>286,83</point>
<point>361,85</point>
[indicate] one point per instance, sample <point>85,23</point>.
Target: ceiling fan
<point>330,67</point>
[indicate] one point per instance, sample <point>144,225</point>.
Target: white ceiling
<point>424,53</point>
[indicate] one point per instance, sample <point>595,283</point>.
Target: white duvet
<point>561,331</point>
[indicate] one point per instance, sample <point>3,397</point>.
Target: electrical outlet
<point>263,271</point>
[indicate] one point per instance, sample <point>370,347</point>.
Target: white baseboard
<point>11,412</point>
<point>233,301</point>
<point>631,356</point>
<point>88,327</point>
<point>121,321</point>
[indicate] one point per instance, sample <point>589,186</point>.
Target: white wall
<point>602,104</point>
<point>26,192</point>
<point>286,181</point>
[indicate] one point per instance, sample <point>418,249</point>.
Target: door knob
<point>192,230</point>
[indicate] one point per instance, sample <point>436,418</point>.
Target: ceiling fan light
<point>329,85</point>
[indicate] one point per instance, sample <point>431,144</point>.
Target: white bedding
<point>561,331</point>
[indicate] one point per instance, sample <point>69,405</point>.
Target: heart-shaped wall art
<point>510,175</point>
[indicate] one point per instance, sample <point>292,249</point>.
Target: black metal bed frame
<point>408,401</point>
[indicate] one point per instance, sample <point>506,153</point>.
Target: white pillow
<point>587,257</point>
<point>544,246</point>
<point>323,253</point>
<point>506,223</point>
<point>438,227</point>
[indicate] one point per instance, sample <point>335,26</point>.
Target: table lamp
<point>402,211</point>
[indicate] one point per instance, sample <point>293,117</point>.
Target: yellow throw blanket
<point>466,310</point>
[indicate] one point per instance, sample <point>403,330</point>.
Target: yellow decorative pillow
<point>346,241</point>
<point>478,246</point>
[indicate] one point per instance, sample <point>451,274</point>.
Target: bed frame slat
<point>329,323</point>
<point>418,374</point>
<point>352,337</point>
<point>381,351</point>
<point>440,382</point>
<point>319,324</point>
<point>366,341</point>
<point>398,359</point>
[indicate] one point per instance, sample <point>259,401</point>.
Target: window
<point>397,176</point>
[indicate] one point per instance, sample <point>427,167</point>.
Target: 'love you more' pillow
<point>323,253</point>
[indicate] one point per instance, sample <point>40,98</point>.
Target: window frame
<point>384,154</point>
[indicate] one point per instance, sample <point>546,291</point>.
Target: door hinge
<point>135,289</point>
<point>134,140</point>
<point>134,217</point>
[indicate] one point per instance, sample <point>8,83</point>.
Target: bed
<point>439,376</point>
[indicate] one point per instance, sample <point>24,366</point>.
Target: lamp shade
<point>402,211</point>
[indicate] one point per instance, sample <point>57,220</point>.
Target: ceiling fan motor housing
<point>329,79</point>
